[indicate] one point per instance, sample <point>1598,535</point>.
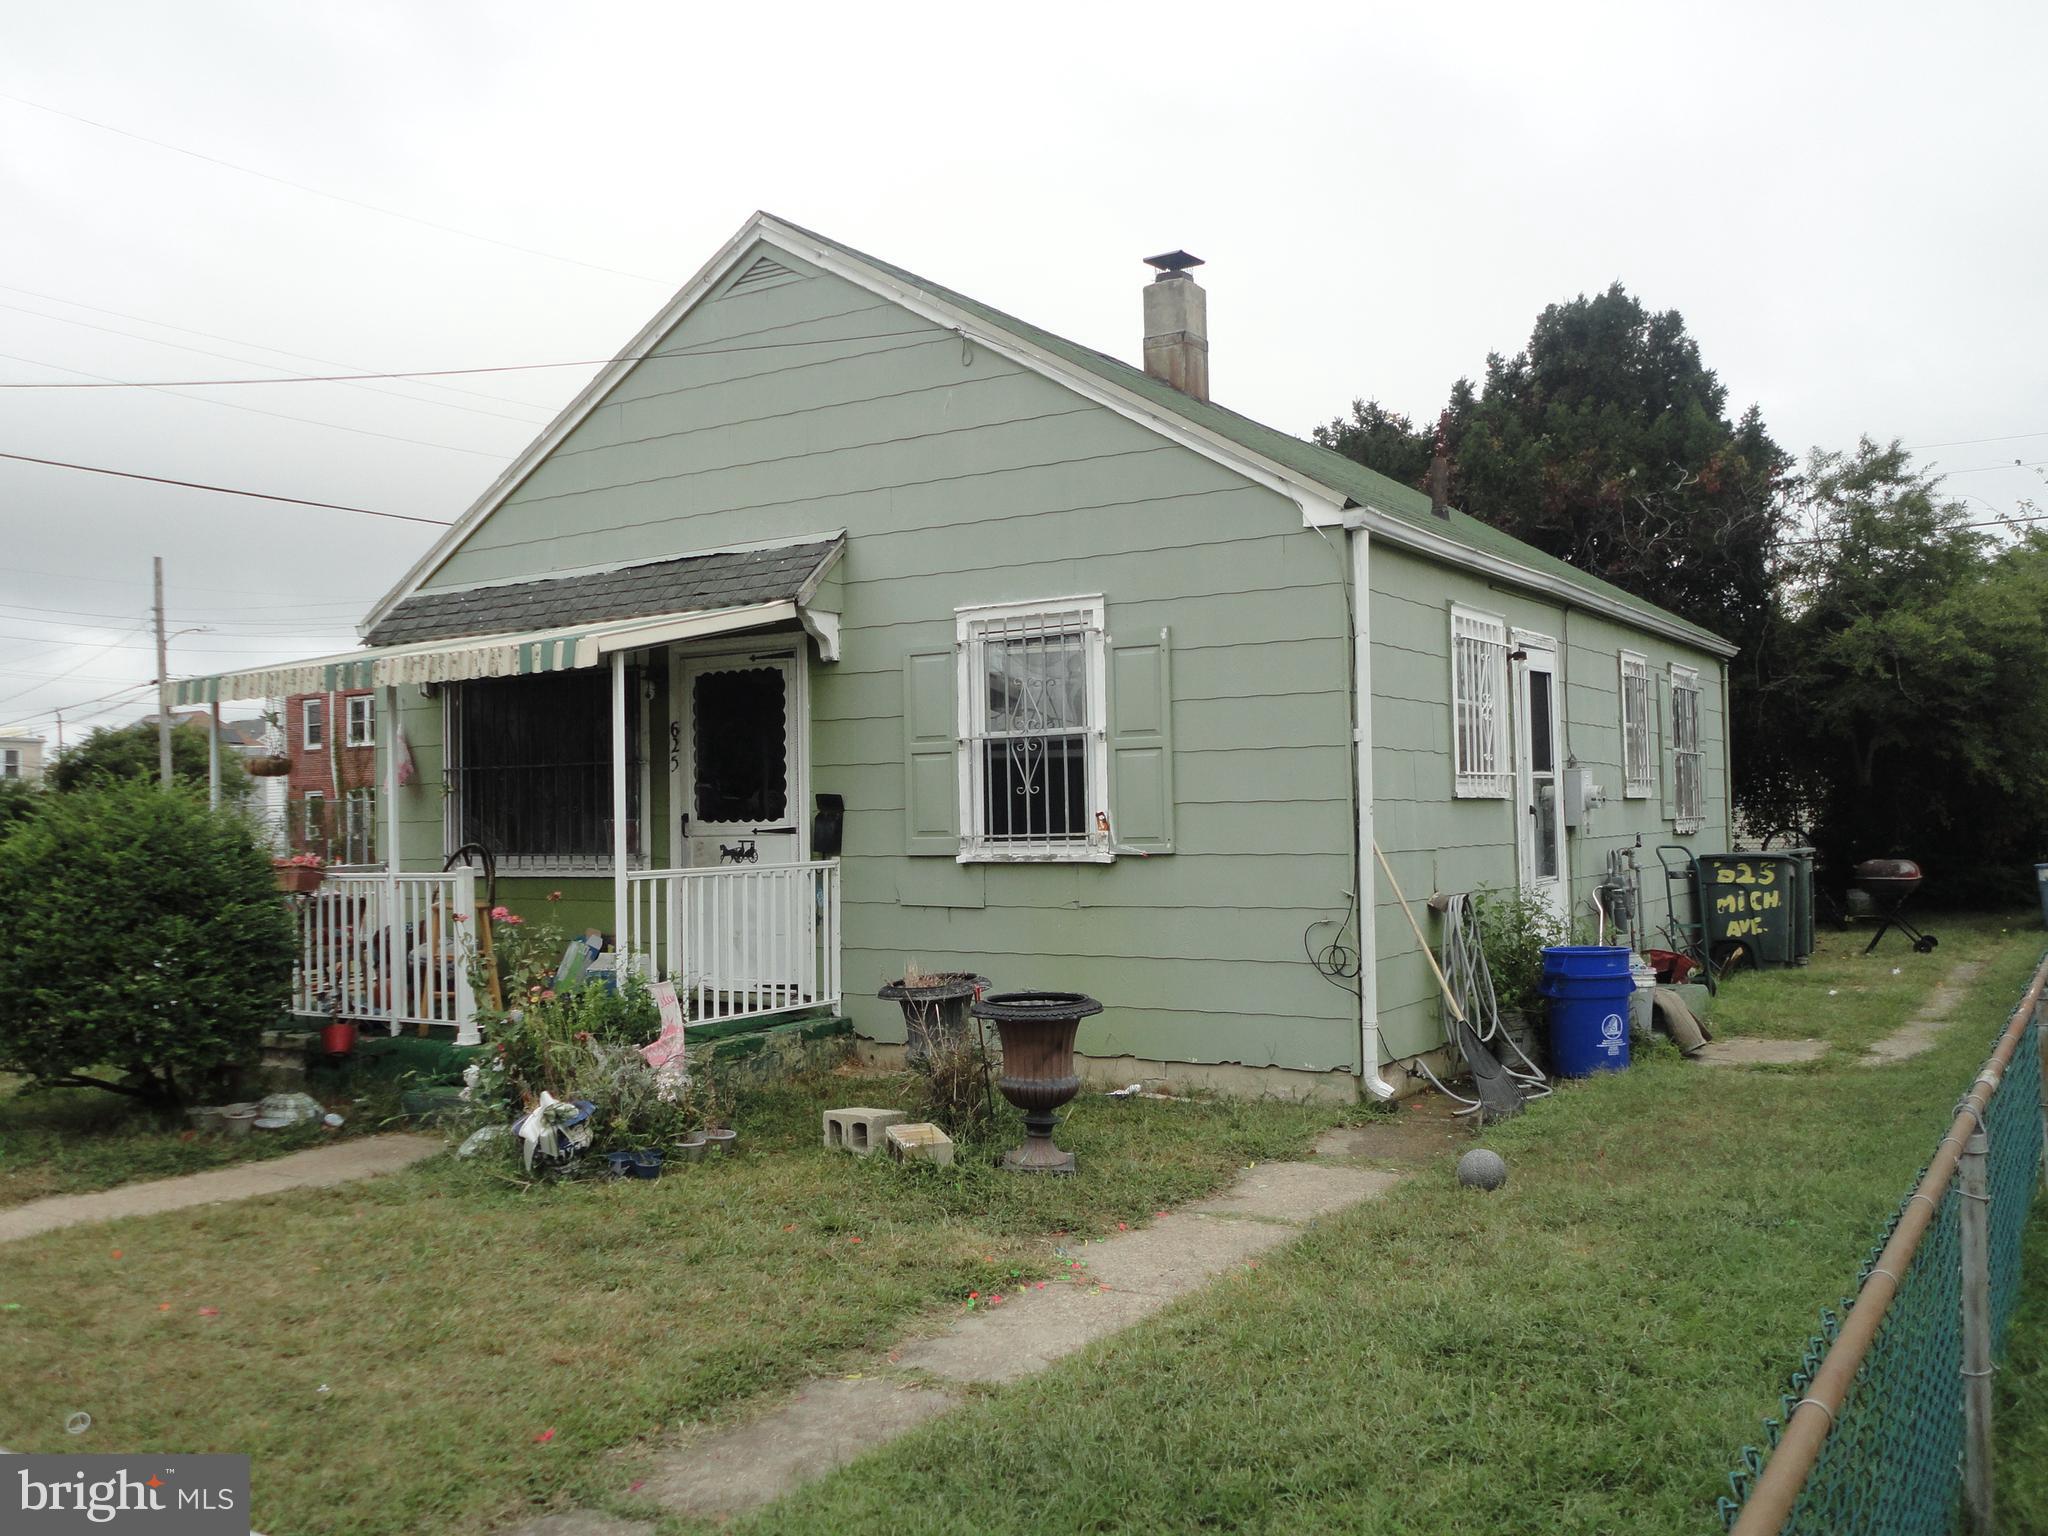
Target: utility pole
<point>60,733</point>
<point>163,682</point>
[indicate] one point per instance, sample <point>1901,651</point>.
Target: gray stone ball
<point>1482,1168</point>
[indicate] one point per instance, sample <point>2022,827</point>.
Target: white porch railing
<point>738,942</point>
<point>349,926</point>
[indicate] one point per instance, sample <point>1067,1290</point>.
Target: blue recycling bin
<point>1589,987</point>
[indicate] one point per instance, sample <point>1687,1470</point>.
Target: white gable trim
<point>1318,503</point>
<point>1422,541</point>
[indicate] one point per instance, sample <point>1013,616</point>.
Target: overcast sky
<point>1845,201</point>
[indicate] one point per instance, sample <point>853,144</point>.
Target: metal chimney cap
<point>1172,264</point>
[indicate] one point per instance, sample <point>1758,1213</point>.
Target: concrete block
<point>920,1143</point>
<point>859,1130</point>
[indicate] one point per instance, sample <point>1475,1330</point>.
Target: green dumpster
<point>1761,903</point>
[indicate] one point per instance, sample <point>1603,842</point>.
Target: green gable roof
<point>1337,474</point>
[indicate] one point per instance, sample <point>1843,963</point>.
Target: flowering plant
<point>301,861</point>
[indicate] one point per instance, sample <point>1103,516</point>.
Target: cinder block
<point>920,1143</point>
<point>858,1130</point>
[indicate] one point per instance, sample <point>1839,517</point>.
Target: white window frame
<point>362,720</point>
<point>1480,765</point>
<point>358,826</point>
<point>972,627</point>
<point>313,822</point>
<point>1688,788</point>
<point>313,723</point>
<point>1638,732</point>
<point>10,763</point>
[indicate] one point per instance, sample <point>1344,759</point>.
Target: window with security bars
<point>1479,645</point>
<point>530,771</point>
<point>1033,761</point>
<point>1688,760</point>
<point>1638,755</point>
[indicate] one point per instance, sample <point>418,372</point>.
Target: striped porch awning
<point>781,586</point>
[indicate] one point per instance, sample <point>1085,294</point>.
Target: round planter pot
<point>646,1163</point>
<point>720,1142</point>
<point>205,1118</point>
<point>691,1149</point>
<point>238,1119</point>
<point>620,1164</point>
<point>1037,1030</point>
<point>337,1040</point>
<point>297,879</point>
<point>935,1011</point>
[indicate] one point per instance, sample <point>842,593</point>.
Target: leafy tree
<point>1906,697</point>
<point>145,948</point>
<point>130,752</point>
<point>18,802</point>
<point>1381,439</point>
<point>1606,442</point>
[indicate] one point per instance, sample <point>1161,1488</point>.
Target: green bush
<point>143,937</point>
<point>1515,927</point>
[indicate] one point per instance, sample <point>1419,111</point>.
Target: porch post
<point>387,740</point>
<point>619,815</point>
<point>213,759</point>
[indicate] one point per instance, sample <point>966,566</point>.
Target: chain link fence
<point>1884,1427</point>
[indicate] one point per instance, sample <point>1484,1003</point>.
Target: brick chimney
<point>1177,325</point>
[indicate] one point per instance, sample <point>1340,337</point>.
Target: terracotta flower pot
<point>1037,1030</point>
<point>298,879</point>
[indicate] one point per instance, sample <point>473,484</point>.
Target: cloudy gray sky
<point>1846,202</point>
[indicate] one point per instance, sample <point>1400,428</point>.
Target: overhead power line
<point>338,197</point>
<point>229,490</point>
<point>257,410</point>
<point>84,662</point>
<point>179,346</point>
<point>678,355</point>
<point>1970,442</point>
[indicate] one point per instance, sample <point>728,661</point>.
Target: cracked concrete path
<point>343,1162</point>
<point>1753,1051</point>
<point>1128,1277</point>
<point>1919,1034</point>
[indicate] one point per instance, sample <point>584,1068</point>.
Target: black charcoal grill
<point>1891,884</point>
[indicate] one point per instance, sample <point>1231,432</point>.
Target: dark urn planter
<point>934,1011</point>
<point>1037,1031</point>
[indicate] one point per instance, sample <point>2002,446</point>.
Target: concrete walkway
<point>1919,1034</point>
<point>828,1422</point>
<point>361,1157</point>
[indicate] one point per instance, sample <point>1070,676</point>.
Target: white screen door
<point>1540,842</point>
<point>735,783</point>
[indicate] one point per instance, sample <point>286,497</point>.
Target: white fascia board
<point>634,634</point>
<point>566,421</point>
<point>1435,546</point>
<point>1319,505</point>
<point>835,536</point>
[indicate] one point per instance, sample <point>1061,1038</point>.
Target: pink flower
<point>460,917</point>
<point>548,995</point>
<point>554,895</point>
<point>513,919</point>
<point>501,913</point>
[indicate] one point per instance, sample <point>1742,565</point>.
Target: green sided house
<point>844,621</point>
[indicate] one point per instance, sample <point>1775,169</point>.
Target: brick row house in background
<point>330,793</point>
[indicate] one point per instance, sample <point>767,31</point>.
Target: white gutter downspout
<point>1361,751</point>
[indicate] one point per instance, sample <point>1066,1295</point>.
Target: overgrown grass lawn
<point>1849,998</point>
<point>69,1141</point>
<point>1583,1352</point>
<point>438,1351</point>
